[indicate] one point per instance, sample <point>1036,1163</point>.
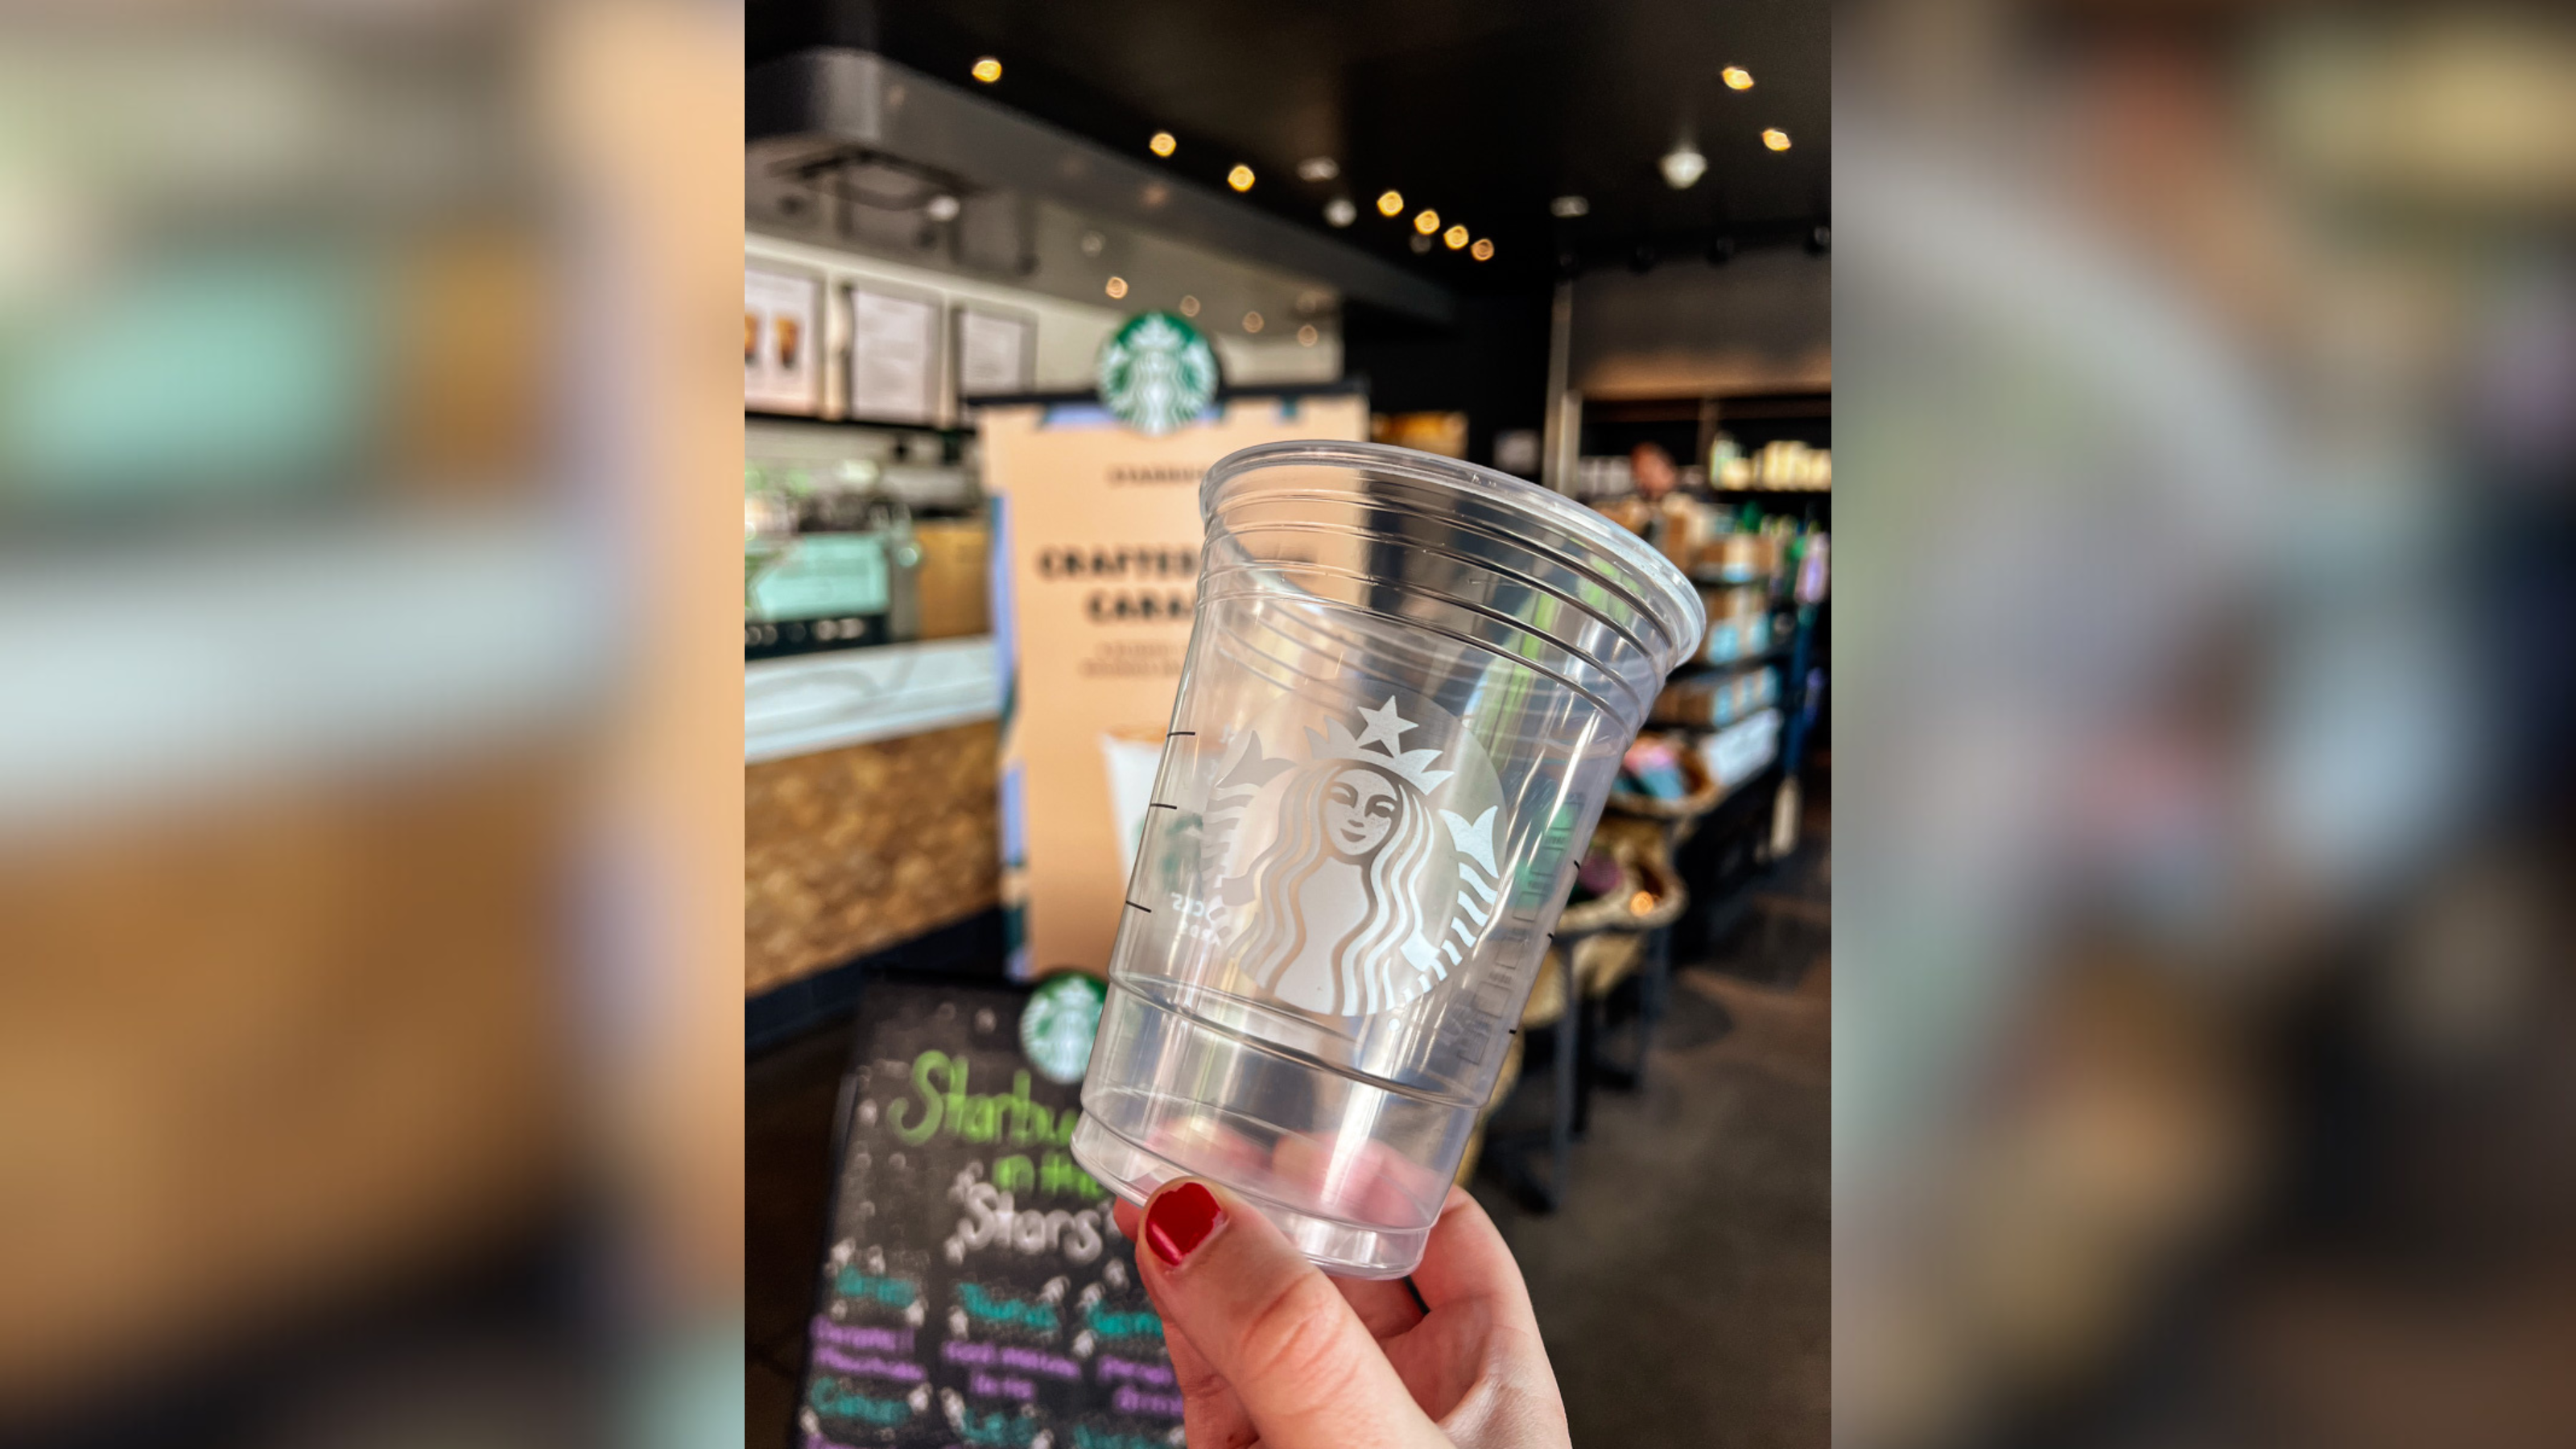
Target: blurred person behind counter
<point>1662,508</point>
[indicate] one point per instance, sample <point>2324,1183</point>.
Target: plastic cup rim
<point>1656,577</point>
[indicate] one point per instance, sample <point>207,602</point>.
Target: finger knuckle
<point>1290,1339</point>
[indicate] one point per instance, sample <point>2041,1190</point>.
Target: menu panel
<point>976,1291</point>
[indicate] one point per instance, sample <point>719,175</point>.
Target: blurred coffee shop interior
<point>1585,245</point>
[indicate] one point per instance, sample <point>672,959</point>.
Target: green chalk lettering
<point>932,1111</point>
<point>1014,1173</point>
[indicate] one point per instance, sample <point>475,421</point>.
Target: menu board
<point>894,356</point>
<point>976,1291</point>
<point>996,352</point>
<point>781,351</point>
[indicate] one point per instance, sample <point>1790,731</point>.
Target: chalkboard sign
<point>976,1291</point>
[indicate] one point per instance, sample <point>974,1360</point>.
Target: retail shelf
<point>875,425</point>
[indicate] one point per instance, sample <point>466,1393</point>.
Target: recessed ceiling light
<point>1737,78</point>
<point>1318,168</point>
<point>988,70</point>
<point>1240,178</point>
<point>1389,202</point>
<point>1251,321</point>
<point>1483,250</point>
<point>1455,237</point>
<point>1189,306</point>
<point>942,207</point>
<point>1163,144</point>
<point>1117,287</point>
<point>1426,221</point>
<point>1307,335</point>
<point>1776,139</point>
<point>1568,207</point>
<point>1683,166</point>
<point>1340,212</point>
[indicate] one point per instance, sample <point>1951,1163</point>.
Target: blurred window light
<point>988,70</point>
<point>1483,250</point>
<point>1240,178</point>
<point>1117,287</point>
<point>1567,208</point>
<point>1776,139</point>
<point>1737,78</point>
<point>1683,166</point>
<point>1318,168</point>
<point>1426,221</point>
<point>1455,237</point>
<point>1163,144</point>
<point>1389,202</point>
<point>1339,211</point>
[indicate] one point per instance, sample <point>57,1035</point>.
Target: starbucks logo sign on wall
<point>1157,373</point>
<point>1355,867</point>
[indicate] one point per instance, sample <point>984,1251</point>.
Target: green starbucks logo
<point>1157,373</point>
<point>1057,1027</point>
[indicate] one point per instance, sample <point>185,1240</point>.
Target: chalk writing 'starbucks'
<point>945,1107</point>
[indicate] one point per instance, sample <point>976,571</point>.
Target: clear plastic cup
<point>1409,684</point>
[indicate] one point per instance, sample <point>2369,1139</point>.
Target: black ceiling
<point>1482,109</point>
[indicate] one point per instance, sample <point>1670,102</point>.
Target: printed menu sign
<point>976,1291</point>
<point>1096,560</point>
<point>894,349</point>
<point>781,351</point>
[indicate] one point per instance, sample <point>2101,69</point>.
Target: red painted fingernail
<point>1180,1220</point>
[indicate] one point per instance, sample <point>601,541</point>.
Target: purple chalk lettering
<point>845,1335</point>
<point>1032,1361</point>
<point>1114,1367</point>
<point>958,1351</point>
<point>986,1384</point>
<point>1129,1401</point>
<point>867,1365</point>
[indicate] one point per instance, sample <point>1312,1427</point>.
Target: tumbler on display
<point>1409,685</point>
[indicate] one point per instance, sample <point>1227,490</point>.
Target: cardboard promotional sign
<point>1096,560</point>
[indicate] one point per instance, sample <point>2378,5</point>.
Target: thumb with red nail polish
<point>1268,1349</point>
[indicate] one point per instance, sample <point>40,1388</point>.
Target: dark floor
<point>1682,1286</point>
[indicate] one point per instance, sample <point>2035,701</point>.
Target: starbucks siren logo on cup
<point>1355,878</point>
